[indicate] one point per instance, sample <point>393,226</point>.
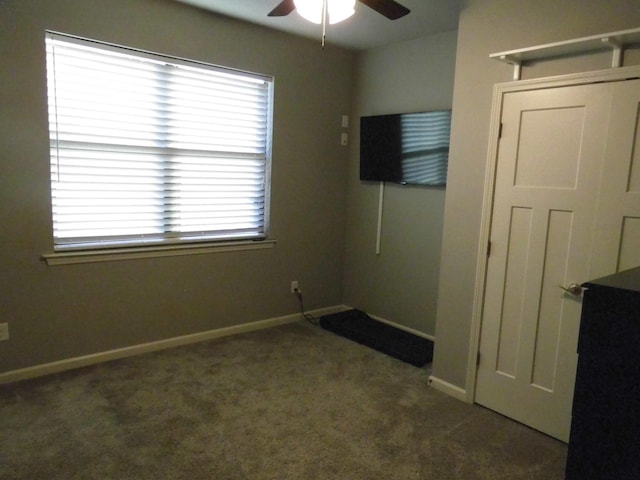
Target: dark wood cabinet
<point>605,428</point>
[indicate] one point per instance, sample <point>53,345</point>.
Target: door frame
<point>499,90</point>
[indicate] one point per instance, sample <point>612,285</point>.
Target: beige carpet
<point>293,402</point>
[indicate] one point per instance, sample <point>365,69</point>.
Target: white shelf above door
<point>614,41</point>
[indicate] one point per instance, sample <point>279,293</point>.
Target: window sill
<point>134,253</point>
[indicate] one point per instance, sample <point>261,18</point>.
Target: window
<point>152,150</point>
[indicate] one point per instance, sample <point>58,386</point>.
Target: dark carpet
<point>292,402</point>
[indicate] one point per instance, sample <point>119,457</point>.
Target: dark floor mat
<point>356,325</point>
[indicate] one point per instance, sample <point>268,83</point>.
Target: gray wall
<point>66,311</point>
<point>488,26</point>
<point>400,284</point>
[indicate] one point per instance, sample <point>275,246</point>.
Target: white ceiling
<point>366,29</point>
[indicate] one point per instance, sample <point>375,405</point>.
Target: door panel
<point>560,129</point>
<point>516,267</point>
<point>630,243</point>
<point>550,314</point>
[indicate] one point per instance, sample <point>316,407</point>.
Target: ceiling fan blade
<point>284,8</point>
<point>389,8</point>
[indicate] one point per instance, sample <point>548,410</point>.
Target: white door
<point>617,230</point>
<point>555,202</point>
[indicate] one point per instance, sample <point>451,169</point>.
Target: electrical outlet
<point>294,286</point>
<point>4,331</point>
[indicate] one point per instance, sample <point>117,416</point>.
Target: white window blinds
<point>153,149</point>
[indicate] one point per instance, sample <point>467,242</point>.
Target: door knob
<point>573,289</point>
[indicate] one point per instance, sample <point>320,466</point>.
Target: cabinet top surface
<point>626,280</point>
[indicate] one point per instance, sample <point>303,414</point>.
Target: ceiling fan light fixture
<point>337,10</point>
<point>340,10</point>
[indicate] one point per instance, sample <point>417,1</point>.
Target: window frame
<point>172,243</point>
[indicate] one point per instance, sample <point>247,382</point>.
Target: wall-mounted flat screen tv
<point>407,148</point>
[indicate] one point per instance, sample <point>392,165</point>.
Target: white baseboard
<point>449,389</point>
<point>86,360</point>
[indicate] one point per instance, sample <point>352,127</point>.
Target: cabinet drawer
<point>610,322</point>
<point>603,448</point>
<point>608,384</point>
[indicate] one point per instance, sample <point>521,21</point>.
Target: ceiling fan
<point>389,8</point>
